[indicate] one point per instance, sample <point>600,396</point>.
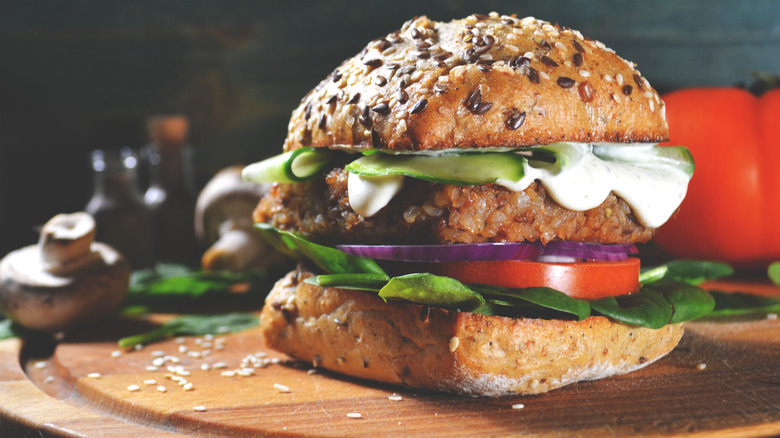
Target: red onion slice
<point>447,253</point>
<point>594,251</point>
<point>492,251</point>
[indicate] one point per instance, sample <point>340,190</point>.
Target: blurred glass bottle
<point>123,220</point>
<point>171,194</point>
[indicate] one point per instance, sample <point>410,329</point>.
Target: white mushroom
<point>223,219</point>
<point>65,281</point>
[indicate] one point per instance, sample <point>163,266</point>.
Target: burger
<point>465,199</point>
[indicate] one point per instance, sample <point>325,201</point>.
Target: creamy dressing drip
<point>653,193</point>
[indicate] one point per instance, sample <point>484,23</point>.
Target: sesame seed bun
<point>483,81</point>
<point>358,334</point>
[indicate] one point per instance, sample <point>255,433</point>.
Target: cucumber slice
<point>471,168</point>
<point>294,166</point>
<point>678,157</point>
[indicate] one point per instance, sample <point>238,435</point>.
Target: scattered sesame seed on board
<point>199,408</point>
<point>133,388</point>
<point>518,406</point>
<point>116,353</point>
<point>395,397</point>
<point>93,375</point>
<point>355,415</point>
<point>162,389</point>
<point>701,366</point>
<point>150,382</point>
<point>284,389</point>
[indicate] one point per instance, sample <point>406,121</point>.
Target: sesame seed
<point>138,347</point>
<point>158,353</point>
<point>548,61</point>
<point>565,82</point>
<point>205,367</point>
<point>199,408</point>
<point>516,120</point>
<point>284,389</point>
<point>395,397</point>
<point>534,383</point>
<point>219,365</point>
<point>188,387</point>
<point>116,353</point>
<point>311,371</point>
<point>518,406</point>
<point>560,46</point>
<point>228,373</point>
<point>619,79</point>
<point>150,382</point>
<point>152,368</point>
<point>454,342</point>
<point>419,106</point>
<point>48,379</point>
<point>701,366</point>
<point>40,365</point>
<point>584,73</point>
<point>94,375</point>
<point>162,389</point>
<point>133,388</point>
<point>544,75</point>
<point>354,415</point>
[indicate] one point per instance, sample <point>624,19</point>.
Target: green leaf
<point>366,281</point>
<point>173,287</point>
<point>697,271</point>
<point>645,308</point>
<point>432,290</point>
<point>543,297</point>
<point>194,325</point>
<point>774,273</point>
<point>737,303</point>
<point>331,260</point>
<point>693,272</point>
<point>688,302</point>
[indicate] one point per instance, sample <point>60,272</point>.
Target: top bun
<point>483,81</point>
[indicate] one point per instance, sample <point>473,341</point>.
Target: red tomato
<point>732,210</point>
<point>589,280</point>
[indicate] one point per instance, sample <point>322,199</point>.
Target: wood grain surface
<point>722,380</point>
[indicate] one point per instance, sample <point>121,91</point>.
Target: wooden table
<point>722,380</point>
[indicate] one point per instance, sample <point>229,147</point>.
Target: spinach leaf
<point>331,260</point>
<point>773,271</point>
<point>688,302</point>
<point>694,272</point>
<point>646,308</point>
<point>173,288</point>
<point>432,290</point>
<point>365,281</point>
<point>543,297</point>
<point>194,325</point>
<point>738,303</point>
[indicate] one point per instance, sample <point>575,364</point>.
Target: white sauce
<point>368,194</point>
<point>654,193</point>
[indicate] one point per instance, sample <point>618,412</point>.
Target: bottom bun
<point>358,334</point>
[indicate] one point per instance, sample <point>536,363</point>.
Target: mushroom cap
<point>41,300</point>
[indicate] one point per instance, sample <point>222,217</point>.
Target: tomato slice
<point>588,280</point>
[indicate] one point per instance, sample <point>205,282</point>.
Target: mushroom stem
<point>236,250</point>
<point>65,243</point>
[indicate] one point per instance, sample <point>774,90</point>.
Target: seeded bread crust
<point>358,334</point>
<point>483,81</point>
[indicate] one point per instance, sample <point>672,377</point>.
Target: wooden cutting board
<point>722,380</point>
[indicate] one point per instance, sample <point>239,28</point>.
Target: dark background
<point>85,74</point>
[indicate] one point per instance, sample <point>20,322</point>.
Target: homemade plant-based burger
<point>465,198</point>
